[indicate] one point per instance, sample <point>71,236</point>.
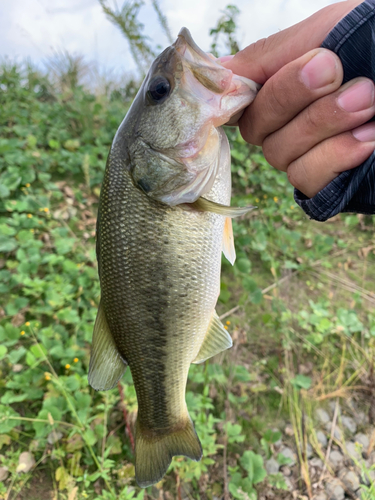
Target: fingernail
<point>357,97</point>
<point>225,58</point>
<point>365,133</point>
<point>320,71</point>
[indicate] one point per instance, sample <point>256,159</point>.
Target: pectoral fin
<point>217,339</point>
<point>204,205</point>
<point>228,241</point>
<point>106,365</point>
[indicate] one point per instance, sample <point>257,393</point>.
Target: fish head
<point>174,147</point>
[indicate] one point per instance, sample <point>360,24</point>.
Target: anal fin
<point>228,241</point>
<point>217,339</point>
<point>106,365</point>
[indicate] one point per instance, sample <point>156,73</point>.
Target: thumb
<point>262,59</point>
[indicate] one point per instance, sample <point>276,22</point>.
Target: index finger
<point>262,59</point>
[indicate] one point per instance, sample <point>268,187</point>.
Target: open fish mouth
<point>212,75</point>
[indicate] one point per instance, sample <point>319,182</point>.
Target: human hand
<point>307,123</point>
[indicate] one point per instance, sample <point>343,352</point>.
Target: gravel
<point>337,433</point>
<point>350,479</point>
<point>336,459</point>
<point>289,453</point>
<point>352,451</point>
<point>349,424</point>
<point>320,496</point>
<point>322,416</point>
<point>272,466</point>
<point>322,438</point>
<point>361,418</point>
<point>286,470</point>
<point>363,440</point>
<point>316,462</point>
<point>334,490</point>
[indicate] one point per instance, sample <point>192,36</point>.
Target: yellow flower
<point>27,184</point>
<point>75,360</point>
<point>228,322</point>
<point>275,199</point>
<point>256,200</point>
<point>29,216</point>
<point>291,207</point>
<point>31,230</point>
<point>27,323</point>
<point>226,327</point>
<point>67,366</point>
<point>47,376</point>
<point>23,332</point>
<point>45,209</point>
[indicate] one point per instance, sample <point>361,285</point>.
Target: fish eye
<point>159,89</point>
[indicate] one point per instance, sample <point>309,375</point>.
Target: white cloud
<point>34,28</point>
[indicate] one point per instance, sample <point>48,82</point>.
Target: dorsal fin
<point>217,339</point>
<point>106,365</point>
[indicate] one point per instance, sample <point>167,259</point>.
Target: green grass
<point>301,293</point>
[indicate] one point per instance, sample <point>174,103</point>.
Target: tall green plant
<point>126,19</point>
<point>226,26</point>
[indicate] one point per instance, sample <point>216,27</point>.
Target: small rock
<point>322,416</point>
<point>289,484</point>
<point>350,479</point>
<point>26,462</point>
<point>322,438</point>
<point>352,451</point>
<point>316,462</point>
<point>349,424</point>
<point>372,457</point>
<point>3,473</point>
<point>17,368</point>
<point>289,430</point>
<point>337,433</point>
<point>309,450</point>
<point>361,418</point>
<point>55,436</point>
<point>272,466</point>
<point>320,496</point>
<point>288,453</point>
<point>363,440</point>
<point>286,471</point>
<point>337,460</point>
<point>335,491</point>
<point>332,407</point>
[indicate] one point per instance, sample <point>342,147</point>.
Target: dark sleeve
<point>353,40</point>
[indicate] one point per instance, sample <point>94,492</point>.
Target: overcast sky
<point>34,28</point>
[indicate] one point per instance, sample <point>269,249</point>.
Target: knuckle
<point>277,101</point>
<point>296,174</point>
<point>313,119</point>
<point>273,154</point>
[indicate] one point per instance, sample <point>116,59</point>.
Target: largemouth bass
<point>163,222</point>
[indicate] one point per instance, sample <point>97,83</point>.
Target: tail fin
<point>153,454</point>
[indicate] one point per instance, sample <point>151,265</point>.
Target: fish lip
<point>185,34</point>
